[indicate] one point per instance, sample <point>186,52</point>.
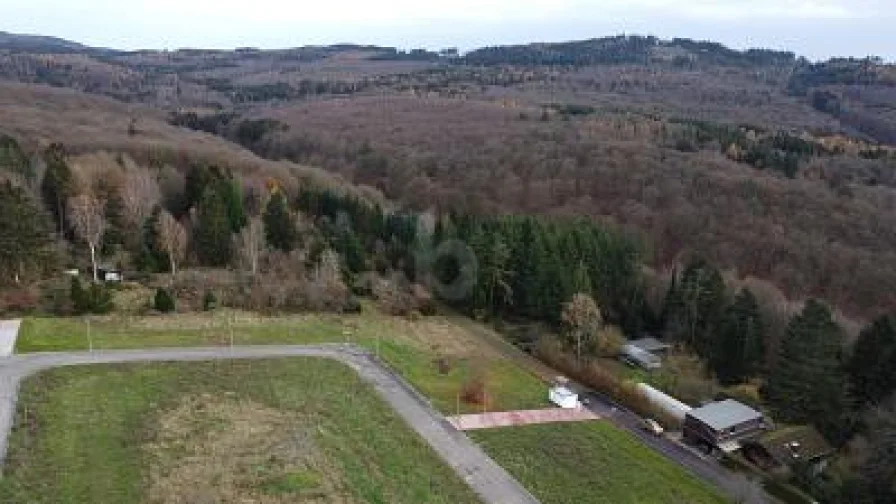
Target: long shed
<point>664,402</point>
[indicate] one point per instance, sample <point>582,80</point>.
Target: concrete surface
<point>495,419</point>
<point>9,330</point>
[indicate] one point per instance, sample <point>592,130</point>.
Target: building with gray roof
<point>723,425</point>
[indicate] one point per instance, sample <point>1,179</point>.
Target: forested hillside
<point>739,204</point>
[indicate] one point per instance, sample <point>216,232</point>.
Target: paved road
<point>9,329</point>
<point>489,480</point>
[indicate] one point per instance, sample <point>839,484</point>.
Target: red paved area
<point>522,417</point>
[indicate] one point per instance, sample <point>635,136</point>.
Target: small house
<point>637,356</point>
<point>109,274</point>
<point>652,345</point>
<point>723,425</point>
<point>787,447</point>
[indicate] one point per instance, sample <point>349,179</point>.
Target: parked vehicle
<point>652,426</point>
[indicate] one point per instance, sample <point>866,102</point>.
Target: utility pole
<point>89,336</point>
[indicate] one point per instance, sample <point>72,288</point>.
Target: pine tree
<point>528,259</point>
<point>279,226</point>
<point>581,280</point>
<point>13,160</point>
<point>58,184</point>
<point>698,304</point>
<point>198,179</point>
<point>233,199</point>
<point>152,258</point>
<point>24,235</point>
<point>872,365</point>
<point>808,385</point>
<point>213,236</point>
<point>738,348</point>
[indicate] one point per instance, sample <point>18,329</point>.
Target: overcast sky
<point>814,28</point>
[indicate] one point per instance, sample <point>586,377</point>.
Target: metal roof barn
<point>650,344</point>
<point>639,357</point>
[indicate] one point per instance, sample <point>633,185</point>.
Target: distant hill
<point>40,44</point>
<point>627,49</point>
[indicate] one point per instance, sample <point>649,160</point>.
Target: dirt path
<point>489,480</point>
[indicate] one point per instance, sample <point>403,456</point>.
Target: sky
<point>817,29</point>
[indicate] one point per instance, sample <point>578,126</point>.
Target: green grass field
<point>411,348</point>
<point>274,431</point>
<point>590,462</point>
<point>559,463</point>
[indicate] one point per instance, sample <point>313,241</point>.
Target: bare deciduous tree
<point>172,239</point>
<point>583,319</point>
<point>326,289</point>
<point>250,244</point>
<point>87,216</point>
<point>139,194</point>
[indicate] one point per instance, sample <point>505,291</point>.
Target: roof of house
<point>640,355</point>
<point>793,443</point>
<point>650,344</point>
<point>724,414</point>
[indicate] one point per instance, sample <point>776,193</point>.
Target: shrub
<point>209,301</point>
<point>20,300</point>
<point>164,302</point>
<point>473,390</point>
<point>352,305</point>
<point>100,299</point>
<point>80,303</point>
<point>94,299</point>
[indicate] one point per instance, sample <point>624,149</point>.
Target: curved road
<point>489,480</point>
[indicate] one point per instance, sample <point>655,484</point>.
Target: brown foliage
<point>802,235</point>
<point>591,374</point>
<point>172,239</point>
<point>474,389</point>
<point>19,300</point>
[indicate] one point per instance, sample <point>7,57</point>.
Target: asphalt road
<point>489,480</point>
<point>9,329</point>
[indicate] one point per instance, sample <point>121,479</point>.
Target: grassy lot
<point>590,462</point>
<point>436,354</point>
<point>277,431</point>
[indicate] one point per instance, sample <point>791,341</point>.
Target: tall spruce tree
<point>24,235</point>
<point>151,258</point>
<point>739,347</point>
<point>58,184</point>
<point>14,160</point>
<point>279,225</point>
<point>213,231</point>
<point>808,384</point>
<point>872,365</point>
<point>696,306</point>
<point>233,199</point>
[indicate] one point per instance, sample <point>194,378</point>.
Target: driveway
<point>489,480</point>
<point>9,329</point>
